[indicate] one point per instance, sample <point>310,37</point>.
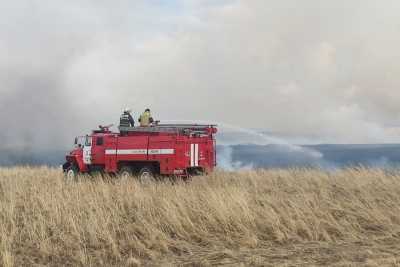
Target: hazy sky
<point>328,70</point>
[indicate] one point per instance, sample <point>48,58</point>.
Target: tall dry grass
<point>216,219</point>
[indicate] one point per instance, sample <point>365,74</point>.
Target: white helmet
<point>128,110</point>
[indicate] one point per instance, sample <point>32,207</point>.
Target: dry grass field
<point>254,218</point>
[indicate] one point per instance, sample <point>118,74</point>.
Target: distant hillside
<point>249,156</point>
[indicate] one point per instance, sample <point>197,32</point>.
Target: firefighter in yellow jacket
<point>145,119</point>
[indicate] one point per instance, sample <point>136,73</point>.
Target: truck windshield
<point>88,140</point>
<point>80,141</point>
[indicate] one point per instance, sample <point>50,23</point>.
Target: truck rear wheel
<point>146,174</point>
<point>125,172</point>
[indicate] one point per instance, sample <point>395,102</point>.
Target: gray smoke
<point>315,68</point>
<point>226,162</point>
<point>280,153</point>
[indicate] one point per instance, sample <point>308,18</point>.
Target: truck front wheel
<point>71,174</point>
<point>146,174</point>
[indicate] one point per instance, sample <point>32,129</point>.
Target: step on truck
<point>179,150</point>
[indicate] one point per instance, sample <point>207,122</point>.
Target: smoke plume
<point>319,69</point>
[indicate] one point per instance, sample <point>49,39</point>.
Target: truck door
<point>87,151</point>
<point>110,153</point>
<point>98,150</point>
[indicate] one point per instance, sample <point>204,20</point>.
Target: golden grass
<point>257,218</point>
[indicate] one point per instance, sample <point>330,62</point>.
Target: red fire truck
<point>164,149</point>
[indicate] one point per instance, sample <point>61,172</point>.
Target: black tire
<point>198,172</point>
<point>71,174</point>
<point>146,174</point>
<point>125,172</point>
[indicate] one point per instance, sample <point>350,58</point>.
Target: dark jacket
<point>126,120</point>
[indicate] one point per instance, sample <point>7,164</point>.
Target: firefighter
<point>145,119</point>
<point>126,119</point>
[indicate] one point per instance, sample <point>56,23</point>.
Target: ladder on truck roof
<point>170,128</point>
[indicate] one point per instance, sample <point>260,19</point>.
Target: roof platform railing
<point>173,128</point>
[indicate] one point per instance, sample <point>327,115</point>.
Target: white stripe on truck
<point>192,155</point>
<point>111,151</point>
<point>161,151</point>
<point>196,155</point>
<point>140,151</point>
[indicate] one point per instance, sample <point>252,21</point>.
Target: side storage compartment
<point>162,149</point>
